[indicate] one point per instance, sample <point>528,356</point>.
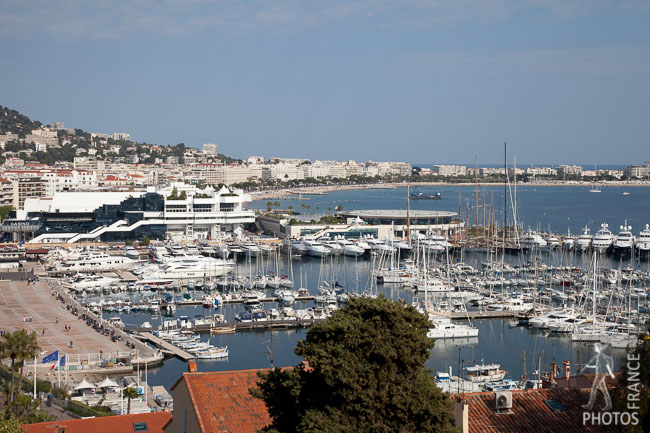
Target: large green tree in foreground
<point>364,372</point>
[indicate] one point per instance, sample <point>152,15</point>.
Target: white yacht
<point>532,241</point>
<point>350,248</point>
<point>83,282</point>
<point>380,246</point>
<point>584,240</point>
<point>316,249</point>
<point>552,243</point>
<point>249,248</point>
<point>444,328</point>
<point>333,246</point>
<point>603,239</point>
<point>643,244</point>
<point>543,321</point>
<point>624,242</point>
<point>95,262</point>
<point>188,267</point>
<point>512,304</point>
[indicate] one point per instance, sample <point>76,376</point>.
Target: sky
<point>439,81</point>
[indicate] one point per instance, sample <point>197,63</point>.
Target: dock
<point>225,327</point>
<point>167,347</point>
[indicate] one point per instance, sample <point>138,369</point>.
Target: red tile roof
<point>114,424</point>
<point>222,402</point>
<point>531,414</point>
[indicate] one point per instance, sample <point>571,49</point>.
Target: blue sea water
<point>555,208</point>
<point>558,208</point>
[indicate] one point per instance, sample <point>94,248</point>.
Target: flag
<point>59,363</point>
<point>54,356</point>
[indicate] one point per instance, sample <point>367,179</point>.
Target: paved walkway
<point>18,300</point>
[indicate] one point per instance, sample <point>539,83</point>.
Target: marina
<point>246,291</point>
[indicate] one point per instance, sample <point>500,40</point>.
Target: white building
<point>121,136</point>
<point>210,149</point>
<point>449,170</point>
<point>181,211</point>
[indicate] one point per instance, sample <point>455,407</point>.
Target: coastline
<point>324,189</point>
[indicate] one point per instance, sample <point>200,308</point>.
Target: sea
<point>560,209</point>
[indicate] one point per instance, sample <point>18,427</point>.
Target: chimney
<point>567,370</point>
<point>554,369</point>
<point>461,414</point>
<point>191,366</point>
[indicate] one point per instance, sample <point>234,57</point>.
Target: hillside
<point>11,121</point>
<point>77,142</point>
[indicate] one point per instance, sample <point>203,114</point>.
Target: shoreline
<point>323,189</point>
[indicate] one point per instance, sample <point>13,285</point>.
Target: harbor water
<point>558,208</point>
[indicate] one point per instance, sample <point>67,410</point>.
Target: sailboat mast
<point>505,194</point>
<point>476,194</point>
<point>408,213</point>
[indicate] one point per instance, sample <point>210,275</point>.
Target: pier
<point>164,345</point>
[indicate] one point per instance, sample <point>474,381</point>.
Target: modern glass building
<point>179,211</point>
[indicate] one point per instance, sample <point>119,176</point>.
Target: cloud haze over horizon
<point>434,81</point>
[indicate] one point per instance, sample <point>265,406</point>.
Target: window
<point>555,405</point>
<point>227,207</point>
<point>140,426</point>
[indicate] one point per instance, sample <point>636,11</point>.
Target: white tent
<point>85,385</point>
<point>108,383</point>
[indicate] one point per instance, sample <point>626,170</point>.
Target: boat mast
<point>476,194</point>
<point>408,213</point>
<point>505,196</point>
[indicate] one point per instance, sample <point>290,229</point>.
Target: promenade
<point>21,301</point>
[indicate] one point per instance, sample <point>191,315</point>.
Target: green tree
<point>17,345</point>
<point>290,208</point>
<point>364,372</point>
<point>145,241</point>
<point>9,423</point>
<point>129,393</point>
<point>4,212</point>
<point>29,350</point>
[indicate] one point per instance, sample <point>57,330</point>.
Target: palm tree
<point>18,345</point>
<point>29,350</point>
<point>129,393</point>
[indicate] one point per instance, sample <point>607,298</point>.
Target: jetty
<point>176,351</point>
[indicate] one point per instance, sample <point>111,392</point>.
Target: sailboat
<point>595,187</point>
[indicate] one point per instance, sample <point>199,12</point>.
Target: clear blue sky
<point>438,80</point>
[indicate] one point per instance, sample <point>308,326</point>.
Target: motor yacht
<point>533,241</point>
<point>584,240</point>
<point>643,244</point>
<point>249,248</point>
<point>542,321</point>
<point>333,246</point>
<point>624,242</point>
<point>95,262</point>
<point>350,248</point>
<point>316,249</point>
<point>444,328</point>
<point>485,373</point>
<point>602,240</point>
<point>187,267</point>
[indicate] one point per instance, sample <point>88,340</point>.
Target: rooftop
<point>222,402</point>
<point>536,411</point>
<point>397,213</point>
<point>154,422</point>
